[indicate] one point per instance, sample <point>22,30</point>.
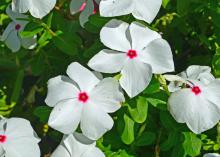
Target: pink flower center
<point>83,97</point>
<point>132,54</point>
<point>2,138</point>
<point>83,6</point>
<point>196,90</point>
<point>17,27</point>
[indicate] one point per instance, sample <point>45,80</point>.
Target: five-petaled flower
<point>197,102</point>
<point>137,53</point>
<point>86,7</point>
<point>77,145</point>
<point>17,138</point>
<point>84,99</point>
<point>11,35</point>
<point>141,9</point>
<point>37,8</point>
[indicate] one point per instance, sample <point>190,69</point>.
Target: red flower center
<point>17,27</point>
<point>196,90</point>
<point>2,138</point>
<point>83,97</point>
<point>132,54</point>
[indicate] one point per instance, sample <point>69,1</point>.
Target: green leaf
<point>139,114</point>
<point>128,132</point>
<point>158,103</point>
<point>17,86</point>
<point>66,44</point>
<point>38,64</point>
<point>147,138</point>
<point>171,141</point>
<point>6,63</point>
<point>183,6</point>
<point>43,113</point>
<point>192,144</point>
<point>165,2</point>
<point>216,62</point>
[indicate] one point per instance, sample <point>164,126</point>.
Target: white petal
<point>60,88</point>
<point>141,36</point>
<point>212,92</point>
<point>95,122</point>
<point>108,61</point>
<point>38,9</point>
<point>21,6</point>
<point>82,76</point>
<point>109,8</point>
<point>115,35</point>
<point>66,115</point>
<point>13,41</point>
<point>78,144</point>
<point>18,128</point>
<point>29,43</point>
<point>146,9</point>
<point>60,151</point>
<point>202,73</point>
<point>8,30</point>
<point>211,155</point>
<point>199,114</point>
<point>135,77</point>
<point>159,55</point>
<point>75,5</point>
<point>94,152</point>
<point>84,16</point>
<point>22,147</point>
<point>172,78</point>
<point>41,8</point>
<point>106,95</point>
<point>15,15</point>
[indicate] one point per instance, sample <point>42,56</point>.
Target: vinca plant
<point>110,78</point>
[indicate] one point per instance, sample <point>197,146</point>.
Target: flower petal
<point>115,35</point>
<point>135,77</point>
<point>94,152</point>
<point>146,9</point>
<point>29,43</point>
<point>18,128</point>
<point>110,8</point>
<point>75,5</point>
<point>65,116</point>
<point>106,95</point>
<point>212,92</point>
<point>211,155</point>
<point>60,88</point>
<point>60,151</point>
<point>22,147</point>
<point>95,122</point>
<point>82,76</point>
<point>13,42</point>
<point>159,55</point>
<point>108,61</point>
<point>141,36</point>
<point>84,16</point>
<point>8,30</point>
<point>199,114</point>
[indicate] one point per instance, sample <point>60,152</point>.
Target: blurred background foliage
<point>143,127</point>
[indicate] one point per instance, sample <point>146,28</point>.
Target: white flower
<point>11,35</point>
<point>194,72</point>
<point>86,7</point>
<point>18,139</point>
<point>37,8</point>
<point>211,155</point>
<point>83,99</point>
<point>77,145</point>
<point>141,9</point>
<point>137,53</point>
<point>197,104</point>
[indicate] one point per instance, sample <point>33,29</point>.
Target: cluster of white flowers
<point>85,98</point>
